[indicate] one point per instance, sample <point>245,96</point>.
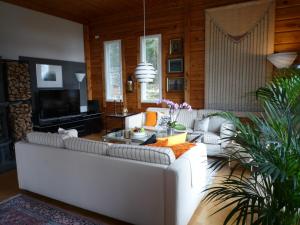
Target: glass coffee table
<point>126,137</point>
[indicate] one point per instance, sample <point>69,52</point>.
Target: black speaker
<point>93,106</point>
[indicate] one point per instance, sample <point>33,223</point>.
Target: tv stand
<point>85,123</point>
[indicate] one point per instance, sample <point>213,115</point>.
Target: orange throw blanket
<point>178,149</point>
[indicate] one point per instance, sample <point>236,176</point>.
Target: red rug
<point>24,210</point>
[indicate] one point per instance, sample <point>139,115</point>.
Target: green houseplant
<point>267,151</point>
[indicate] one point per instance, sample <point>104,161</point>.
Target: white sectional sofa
<point>212,137</point>
<point>137,184</point>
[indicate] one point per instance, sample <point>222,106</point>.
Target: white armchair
<point>133,121</point>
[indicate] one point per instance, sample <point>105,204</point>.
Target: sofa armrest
<point>134,121</point>
<point>186,178</point>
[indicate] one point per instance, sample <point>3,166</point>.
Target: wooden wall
<point>173,19</point>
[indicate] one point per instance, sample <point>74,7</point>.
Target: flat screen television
<point>58,103</point>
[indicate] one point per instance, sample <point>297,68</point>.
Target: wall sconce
<point>129,84</point>
<point>282,59</point>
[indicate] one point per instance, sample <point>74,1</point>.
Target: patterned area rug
<point>24,210</point>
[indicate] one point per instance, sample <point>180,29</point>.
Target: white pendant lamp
<point>145,72</point>
<point>282,59</point>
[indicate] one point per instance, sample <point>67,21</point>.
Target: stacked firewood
<point>18,78</point>
<point>20,120</point>
<point>19,96</point>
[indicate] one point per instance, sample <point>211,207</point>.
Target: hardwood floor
<point>9,188</point>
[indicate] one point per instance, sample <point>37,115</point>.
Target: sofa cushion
<point>84,145</point>
<point>164,156</point>
<point>158,109</point>
<point>215,123</point>
<point>187,118</point>
<point>202,113</point>
<point>49,139</point>
<point>211,138</point>
<point>201,124</point>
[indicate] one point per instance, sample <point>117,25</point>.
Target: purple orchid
<point>174,110</point>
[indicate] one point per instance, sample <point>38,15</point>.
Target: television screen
<point>58,103</point>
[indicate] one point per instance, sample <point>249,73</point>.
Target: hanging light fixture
<point>145,72</point>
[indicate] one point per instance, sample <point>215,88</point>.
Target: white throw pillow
<point>159,116</point>
<point>201,124</point>
<point>226,131</point>
<point>68,133</point>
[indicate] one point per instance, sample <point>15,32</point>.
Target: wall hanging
<point>238,39</point>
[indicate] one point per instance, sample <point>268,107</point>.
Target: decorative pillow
<point>175,139</point>
<point>49,139</point>
<point>151,119</point>
<point>84,145</point>
<point>215,123</point>
<point>201,124</point>
<point>160,115</point>
<point>227,130</point>
<point>151,140</point>
<point>159,143</point>
<point>178,149</point>
<point>68,133</point>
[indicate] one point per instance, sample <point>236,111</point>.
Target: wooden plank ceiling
<point>82,11</point>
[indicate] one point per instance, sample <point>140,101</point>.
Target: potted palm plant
<point>267,150</point>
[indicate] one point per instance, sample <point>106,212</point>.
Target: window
<point>151,92</point>
<point>113,70</point>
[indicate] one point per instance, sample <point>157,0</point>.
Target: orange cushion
<point>178,149</point>
<point>162,143</point>
<point>151,119</point>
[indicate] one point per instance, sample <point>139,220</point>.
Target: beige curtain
<point>238,39</point>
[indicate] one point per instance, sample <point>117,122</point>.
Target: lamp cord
<point>144,18</point>
<point>144,41</point>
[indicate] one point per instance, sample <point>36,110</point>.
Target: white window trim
<point>159,69</point>
<point>106,70</point>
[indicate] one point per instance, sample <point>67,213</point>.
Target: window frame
<point>159,69</point>
<point>106,72</point>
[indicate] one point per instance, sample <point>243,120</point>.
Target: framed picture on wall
<point>175,84</point>
<point>49,76</point>
<point>175,65</point>
<point>176,46</point>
